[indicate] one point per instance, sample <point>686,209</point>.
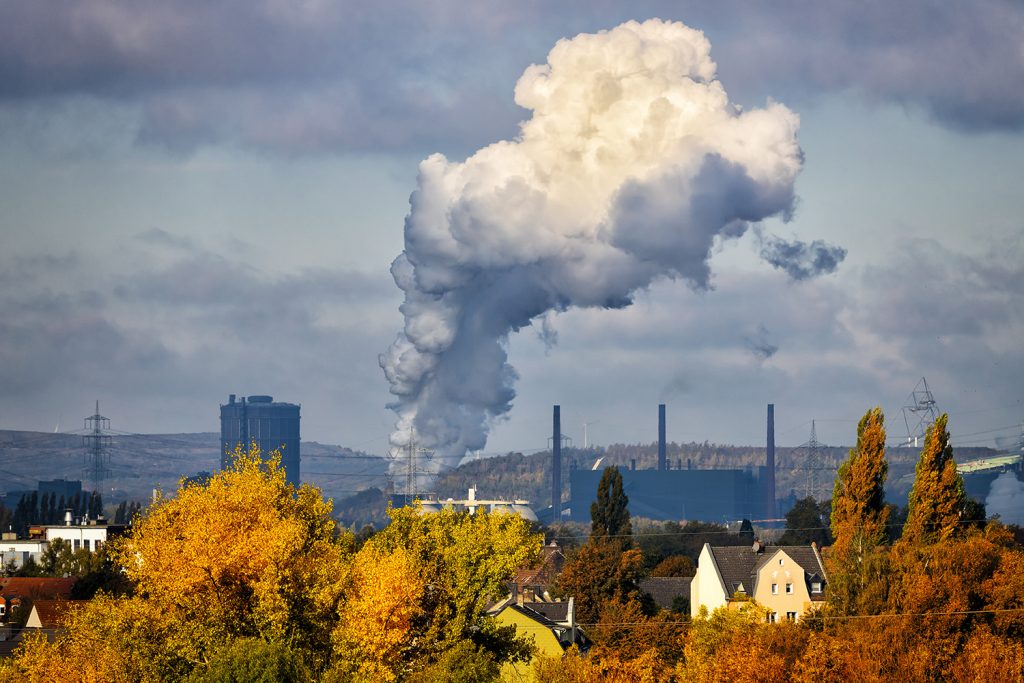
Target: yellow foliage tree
<point>246,555</point>
<point>464,561</point>
<point>375,630</point>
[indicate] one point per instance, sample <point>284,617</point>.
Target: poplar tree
<point>609,514</point>
<point>937,499</point>
<point>859,514</point>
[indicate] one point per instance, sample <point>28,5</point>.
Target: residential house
<point>787,580</point>
<point>552,624</point>
<point>535,583</point>
<point>49,616</point>
<point>17,592</point>
<point>90,534</point>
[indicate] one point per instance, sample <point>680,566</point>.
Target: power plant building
<point>272,425</point>
<point>710,495</point>
<point>705,495</point>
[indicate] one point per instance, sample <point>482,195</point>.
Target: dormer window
<point>815,586</point>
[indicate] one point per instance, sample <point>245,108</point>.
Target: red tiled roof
<point>37,588</point>
<point>52,613</point>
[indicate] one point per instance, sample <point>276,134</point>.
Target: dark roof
<point>665,589</point>
<point>554,611</point>
<point>562,633</point>
<point>738,565</point>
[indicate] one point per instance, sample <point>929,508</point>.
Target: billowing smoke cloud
<point>1006,499</point>
<point>800,259</point>
<point>633,164</point>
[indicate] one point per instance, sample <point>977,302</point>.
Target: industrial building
<point>711,495</point>
<point>272,425</point>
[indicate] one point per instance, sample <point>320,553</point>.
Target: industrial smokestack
<point>556,465</point>
<point>770,465</point>
<point>662,464</point>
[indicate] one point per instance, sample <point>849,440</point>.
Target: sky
<point>205,198</point>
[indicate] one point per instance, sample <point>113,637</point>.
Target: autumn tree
<point>245,556</point>
<point>462,563</point>
<point>859,516</point>
<point>675,565</point>
<point>937,499</point>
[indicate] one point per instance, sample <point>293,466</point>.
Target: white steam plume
<point>633,163</point>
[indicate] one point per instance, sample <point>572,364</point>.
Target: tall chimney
<point>662,464</point>
<point>556,465</point>
<point>770,465</point>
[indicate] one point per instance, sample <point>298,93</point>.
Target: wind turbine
<point>586,443</point>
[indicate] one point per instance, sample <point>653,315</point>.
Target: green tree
<point>937,500</point>
<point>805,523</point>
<point>746,532</point>
<point>251,660</point>
<point>609,514</point>
<point>859,516</point>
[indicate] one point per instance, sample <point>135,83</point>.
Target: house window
<point>77,544</point>
<point>772,617</point>
<point>816,586</point>
<point>775,589</point>
<point>790,616</point>
<point>781,561</point>
<point>789,588</point>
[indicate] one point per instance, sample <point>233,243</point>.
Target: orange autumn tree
<point>937,499</point>
<point>859,517</point>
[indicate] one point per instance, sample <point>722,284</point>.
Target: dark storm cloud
<point>320,76</point>
<point>801,260</point>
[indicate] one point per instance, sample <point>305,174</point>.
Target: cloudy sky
<point>204,198</point>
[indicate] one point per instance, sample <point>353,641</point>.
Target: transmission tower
<point>811,452</point>
<point>96,442</point>
<point>919,413</point>
<point>411,453</point>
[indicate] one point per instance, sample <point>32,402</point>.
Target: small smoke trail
<point>632,165</point>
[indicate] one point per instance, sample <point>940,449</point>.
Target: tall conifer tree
<point>937,498</point>
<point>609,514</point>
<point>859,514</point>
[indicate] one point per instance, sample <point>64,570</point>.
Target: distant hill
<point>140,463</point>
<point>529,476</point>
